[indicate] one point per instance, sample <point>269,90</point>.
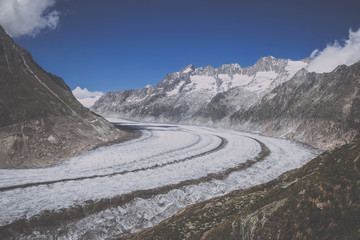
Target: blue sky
<point>112,45</point>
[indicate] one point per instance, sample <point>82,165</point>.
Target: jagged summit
<point>274,96</point>
<point>184,94</point>
<point>188,69</point>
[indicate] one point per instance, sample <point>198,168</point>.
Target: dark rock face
<point>41,122</point>
<point>320,109</point>
<point>318,201</point>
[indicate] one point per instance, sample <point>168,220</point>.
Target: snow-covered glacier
<point>189,164</point>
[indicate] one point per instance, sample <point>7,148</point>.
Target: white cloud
<point>88,102</point>
<point>86,97</point>
<point>336,54</point>
<point>314,53</point>
<point>27,17</point>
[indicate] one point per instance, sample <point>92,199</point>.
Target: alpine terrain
<point>200,95</point>
<point>41,122</point>
<point>276,97</point>
<point>317,201</point>
<point>203,180</point>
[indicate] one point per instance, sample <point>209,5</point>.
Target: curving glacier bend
<point>166,156</point>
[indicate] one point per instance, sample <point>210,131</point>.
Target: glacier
<point>165,155</point>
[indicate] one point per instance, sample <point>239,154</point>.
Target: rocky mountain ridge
<point>319,109</point>
<point>276,97</point>
<point>184,94</point>
<point>41,122</point>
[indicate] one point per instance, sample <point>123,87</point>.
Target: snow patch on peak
<point>231,65</point>
<point>203,82</point>
<point>293,67</point>
<point>226,82</point>
<point>268,58</point>
<point>262,81</point>
<point>240,80</point>
<point>176,89</point>
<point>188,69</point>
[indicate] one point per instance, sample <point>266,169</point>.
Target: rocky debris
<point>321,201</point>
<point>246,226</point>
<point>41,122</point>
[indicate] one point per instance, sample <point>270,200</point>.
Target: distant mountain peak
<point>182,94</point>
<point>188,69</point>
<point>231,65</point>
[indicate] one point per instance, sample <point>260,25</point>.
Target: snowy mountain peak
<point>270,63</point>
<point>188,69</point>
<point>307,60</point>
<point>269,58</point>
<point>184,93</point>
<point>234,66</point>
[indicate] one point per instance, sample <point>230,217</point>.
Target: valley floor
<point>126,187</point>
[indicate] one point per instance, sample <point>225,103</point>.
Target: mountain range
<point>193,93</point>
<point>276,97</point>
<point>41,123</point>
<point>317,201</point>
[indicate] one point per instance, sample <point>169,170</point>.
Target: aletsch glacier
<point>177,158</point>
<point>164,155</point>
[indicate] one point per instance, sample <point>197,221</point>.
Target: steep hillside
<point>318,201</point>
<point>320,109</point>
<point>193,95</point>
<point>41,122</point>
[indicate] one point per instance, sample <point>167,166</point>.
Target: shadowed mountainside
<point>41,122</point>
<point>322,110</point>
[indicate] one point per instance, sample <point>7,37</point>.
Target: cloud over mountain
<point>336,54</point>
<point>25,17</point>
<point>86,97</point>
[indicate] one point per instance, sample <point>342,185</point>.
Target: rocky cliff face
<point>41,122</point>
<point>198,95</point>
<point>318,201</point>
<point>320,109</point>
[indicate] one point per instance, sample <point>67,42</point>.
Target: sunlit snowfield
<point>164,154</point>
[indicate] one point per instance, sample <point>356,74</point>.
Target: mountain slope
<point>318,201</point>
<point>272,97</point>
<point>41,122</point>
<point>191,92</point>
<point>322,110</point>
